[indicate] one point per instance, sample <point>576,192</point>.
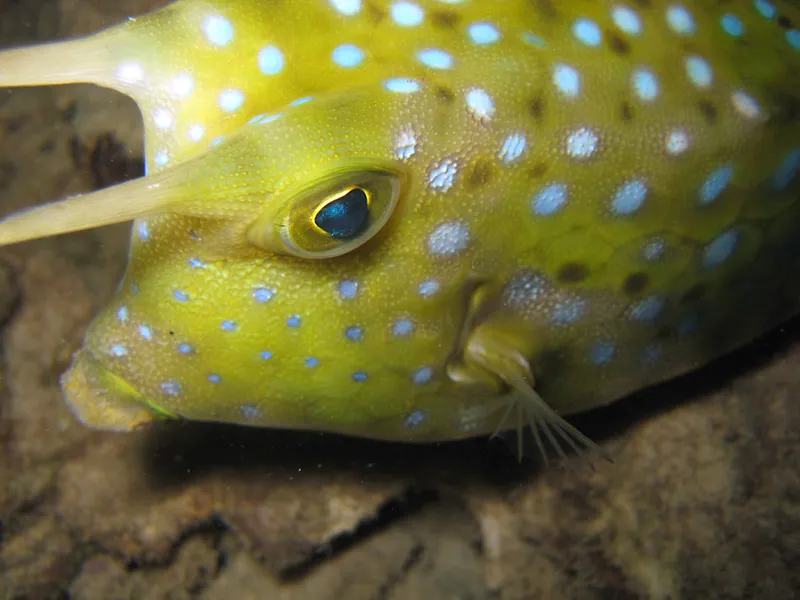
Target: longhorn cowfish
<point>433,219</point>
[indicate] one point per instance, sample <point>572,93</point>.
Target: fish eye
<point>329,216</point>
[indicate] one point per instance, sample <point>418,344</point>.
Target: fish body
<point>435,219</point>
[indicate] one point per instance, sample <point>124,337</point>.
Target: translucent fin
<point>508,364</point>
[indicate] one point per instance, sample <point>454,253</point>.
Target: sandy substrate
<point>702,501</point>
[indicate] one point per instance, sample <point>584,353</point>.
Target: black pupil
<point>345,217</point>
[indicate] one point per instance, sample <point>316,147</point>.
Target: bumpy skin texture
<point>607,189</point>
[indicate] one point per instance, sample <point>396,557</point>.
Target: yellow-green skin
<point>627,206</point>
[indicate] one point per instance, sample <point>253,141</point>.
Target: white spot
<point>407,14</point>
<point>218,30</point>
<point>231,100</point>
<point>422,375</point>
<point>311,362</point>
<point>677,142</point>
<point>119,350</point>
<point>301,101</point>
<point>602,353</point>
<point>406,144</point>
<point>587,32</point>
<point>654,251</point>
<point>348,56</point>
<point>196,263</point>
<point>130,72</point>
<point>448,239</point>
<point>403,327</point>
<point>629,197</point>
<point>699,71</point>
<point>143,231</point>
<point>180,296</point>
<point>567,80</point>
<point>626,19</point>
<point>582,143</point>
<point>443,175</point>
<point>262,295</point>
<point>568,311</point>
<point>721,249</point>
<point>648,309</point>
<point>416,418</point>
<point>122,314</point>
<point>229,325</point>
<point>161,159</point>
<point>745,104</point>
<point>401,85</point>
<point>196,132</point>
<point>513,147</point>
<point>347,7</point>
<point>250,412</point>
<point>428,288</point>
<point>550,199</point>
<point>766,8</point>
<point>214,378</point>
<point>788,170</point>
<point>163,118</point>
<point>353,333</point>
<point>645,84</point>
<point>793,37</point>
<point>348,289</point>
<point>435,58</point>
<point>680,20</point>
<point>185,349</point>
<point>182,85</point>
<point>360,376</point>
<point>732,25</point>
<point>146,332</point>
<point>171,388</point>
<point>270,60</point>
<point>483,33</point>
<point>715,184</point>
<point>265,355</point>
<point>480,104</point>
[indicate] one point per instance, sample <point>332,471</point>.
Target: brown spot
<point>635,283</point>
<point>545,7</point>
<point>709,111</point>
<point>445,19</point>
<point>481,174</point>
<point>694,294</point>
<point>626,110</point>
<point>785,22</point>
<point>536,108</point>
<point>538,170</point>
<point>444,94</point>
<point>644,3</point>
<point>618,44</point>
<point>375,13</point>
<point>665,332</point>
<point>572,272</point>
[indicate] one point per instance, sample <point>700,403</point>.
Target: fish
<point>432,220</point>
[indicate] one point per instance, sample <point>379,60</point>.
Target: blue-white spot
<point>348,289</point>
<point>294,321</point>
<point>407,14</point>
<point>788,171</point>
<point>161,158</point>
<point>602,353</point>
<point>271,60</point>
<point>311,362</point>
<point>732,25</point>
<point>146,332</point>
<point>654,251</point>
<point>218,30</point>
<point>401,85</point>
<point>196,132</point>
<point>143,231</point>
<point>443,175</point>
<point>301,101</point>
<point>645,84</point>
<point>629,197</point>
<point>262,295</point>
<point>567,311</point>
<point>415,419</point>
<point>435,58</point>
<point>403,327</point>
<point>745,104</point>
<point>767,9</point>
<point>533,40</point>
<point>229,325</point>
<point>715,184</point>
<point>550,199</point>
<point>182,85</point>
<point>793,37</point>
<point>513,147</point>
<point>171,388</point>
<point>353,333</point>
<point>480,104</point>
<point>626,19</point>
<point>185,348</point>
<point>348,56</point>
<point>180,296</point>
<point>196,263</point>
<point>265,355</point>
<point>677,142</point>
<point>163,118</point>
<point>567,80</point>
<point>587,32</point>
<point>681,20</point>
<point>360,376</point>
<point>119,350</point>
<point>449,239</point>
<point>214,378</point>
<point>721,249</point>
<point>250,412</point>
<point>217,141</point>
<point>699,71</point>
<point>347,7</point>
<point>130,73</point>
<point>582,143</point>
<point>428,288</point>
<point>231,100</point>
<point>122,314</point>
<point>483,33</point>
<point>422,375</point>
<point>648,309</point>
